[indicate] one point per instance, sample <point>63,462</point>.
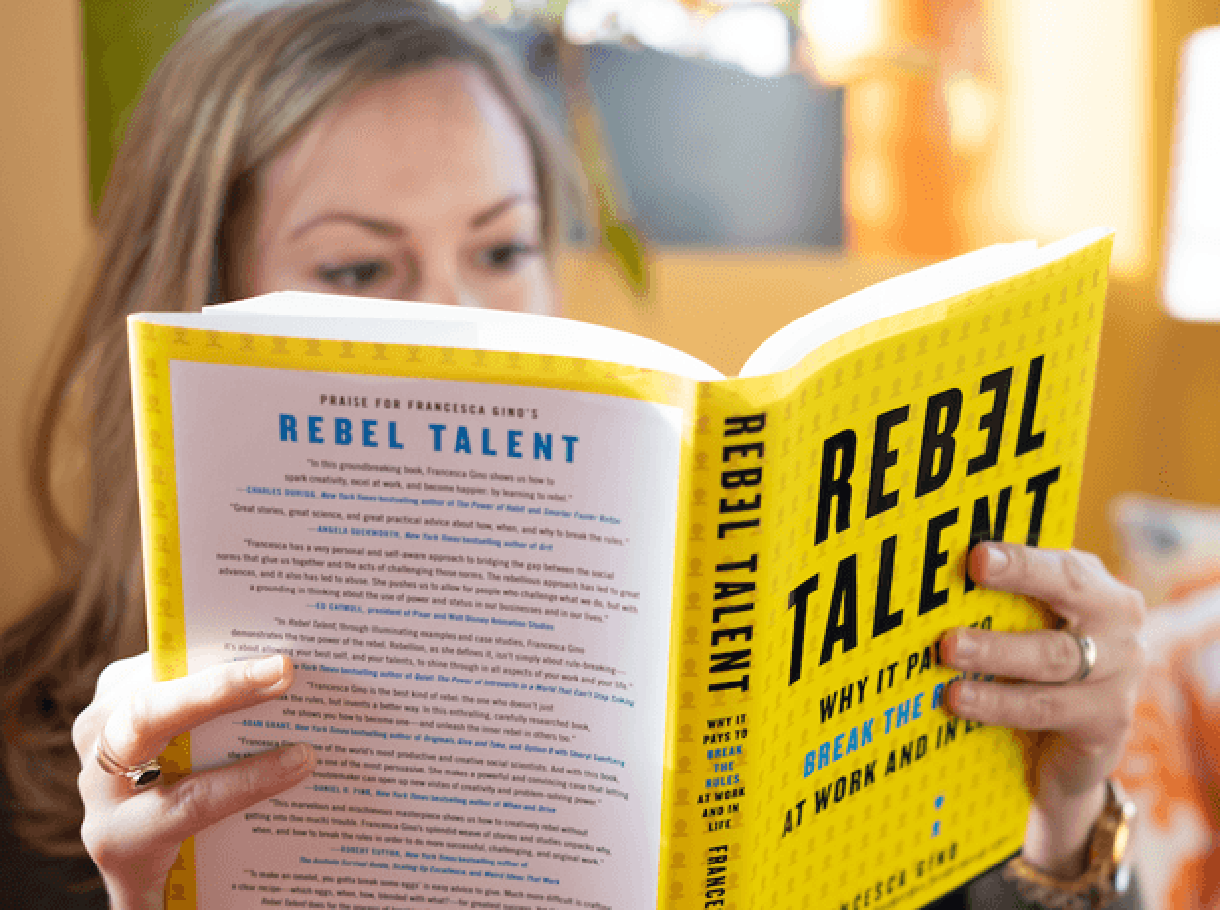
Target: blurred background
<point>771,163</point>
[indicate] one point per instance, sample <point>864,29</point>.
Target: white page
<point>905,293</point>
<point>525,761</point>
<point>298,314</point>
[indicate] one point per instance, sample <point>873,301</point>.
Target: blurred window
<point>708,154</point>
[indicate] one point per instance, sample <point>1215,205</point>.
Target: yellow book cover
<point>578,621</point>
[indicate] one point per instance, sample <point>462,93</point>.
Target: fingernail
<point>995,560</point>
<point>964,645</point>
<point>967,695</point>
<point>295,757</point>
<point>268,671</point>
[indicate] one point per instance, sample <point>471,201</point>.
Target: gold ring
<point>140,775</point>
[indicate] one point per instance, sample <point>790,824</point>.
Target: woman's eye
<point>507,257</point>
<point>355,276</point>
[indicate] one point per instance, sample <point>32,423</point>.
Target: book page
<point>923,287</point>
<point>478,606</point>
<point>300,314</point>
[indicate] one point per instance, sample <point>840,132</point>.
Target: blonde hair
<point>242,82</point>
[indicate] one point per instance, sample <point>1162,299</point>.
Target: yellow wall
<point>718,306</point>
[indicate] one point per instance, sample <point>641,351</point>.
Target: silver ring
<point>140,776</point>
<point>1088,656</point>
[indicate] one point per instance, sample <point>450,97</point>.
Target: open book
<point>578,621</point>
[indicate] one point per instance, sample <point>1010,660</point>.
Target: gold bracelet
<point>1107,875</point>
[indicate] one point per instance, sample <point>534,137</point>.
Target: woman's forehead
<point>438,137</point>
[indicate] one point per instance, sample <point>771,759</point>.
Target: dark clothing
<point>31,881</point>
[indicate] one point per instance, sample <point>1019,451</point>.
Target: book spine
<point>709,780</point>
<point>155,473</point>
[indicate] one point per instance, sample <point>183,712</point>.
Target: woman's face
<point>420,187</point>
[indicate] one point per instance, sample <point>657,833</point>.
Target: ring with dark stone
<point>140,776</point>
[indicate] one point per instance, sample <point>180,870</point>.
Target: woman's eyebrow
<point>378,226</point>
<point>500,207</point>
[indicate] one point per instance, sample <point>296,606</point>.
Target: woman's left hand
<point>1085,722</point>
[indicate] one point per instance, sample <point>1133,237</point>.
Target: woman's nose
<point>443,283</point>
<point>439,289</point>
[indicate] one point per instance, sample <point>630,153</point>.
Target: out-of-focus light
<point>873,112</point>
<point>586,21</point>
<point>467,9</point>
<point>972,113</point>
<point>754,37</point>
<point>1190,287</point>
<point>872,190</point>
<point>665,25</point>
<point>841,34</point>
<point>750,34</point>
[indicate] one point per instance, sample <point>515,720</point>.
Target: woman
<point>379,147</point>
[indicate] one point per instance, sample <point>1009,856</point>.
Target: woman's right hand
<point>133,834</point>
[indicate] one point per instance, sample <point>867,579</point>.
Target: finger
<point>139,726</point>
<point>1095,712</point>
<point>124,674</point>
<point>1046,657</point>
<point>117,680</point>
<point>1075,585</point>
<point>200,800</point>
<point>163,817</point>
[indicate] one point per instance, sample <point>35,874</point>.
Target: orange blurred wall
<point>43,232</point>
